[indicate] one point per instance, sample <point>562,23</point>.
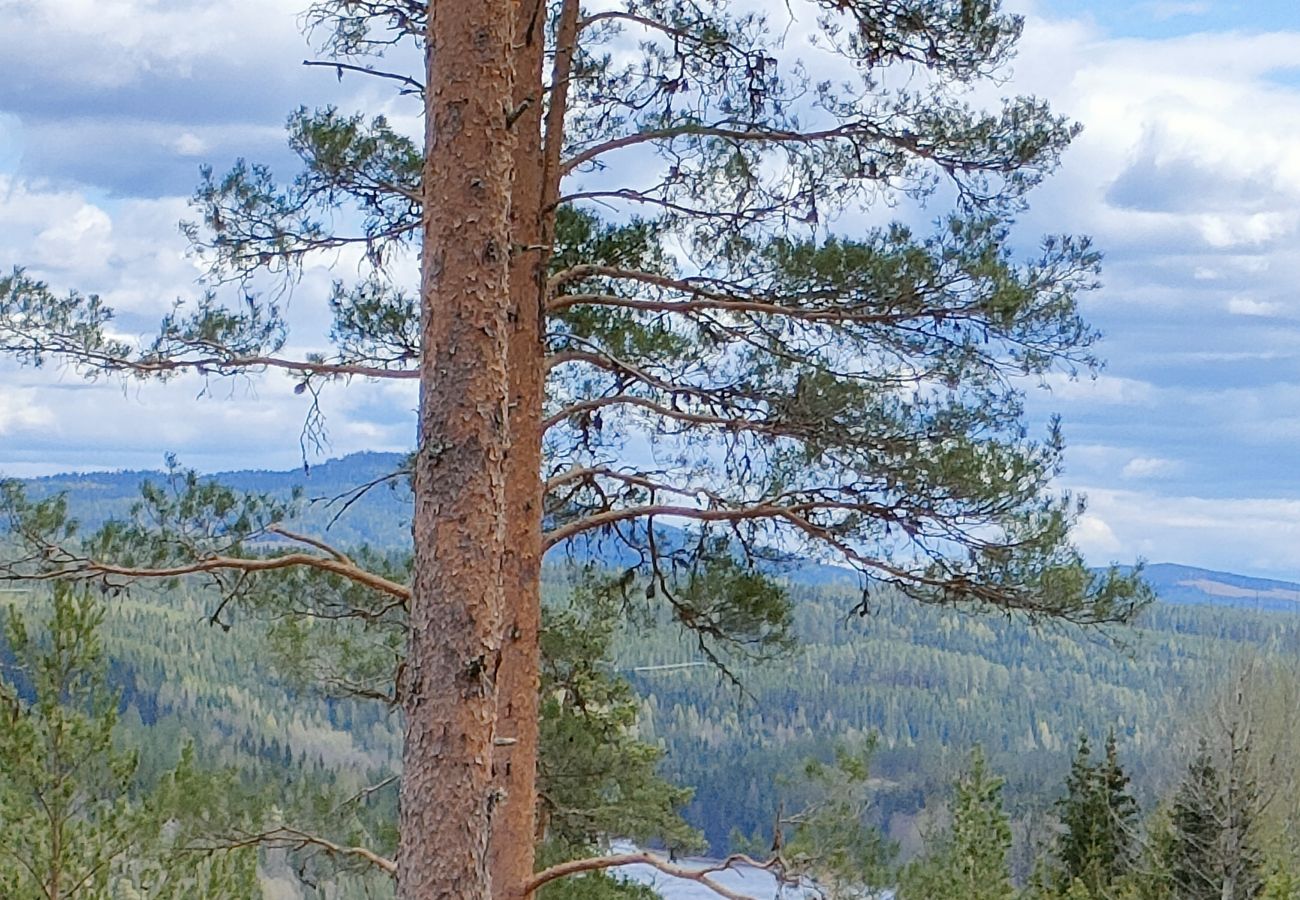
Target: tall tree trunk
<point>450,683</point>
<point>535,191</point>
<point>513,833</point>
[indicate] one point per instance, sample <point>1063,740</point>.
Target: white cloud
<point>1187,174</point>
<point>1222,231</point>
<point>21,410</point>
<point>1095,539</point>
<point>1105,389</point>
<point>129,252</point>
<point>1258,536</point>
<point>1184,173</point>
<point>106,44</point>
<point>1247,306</point>
<point>79,241</point>
<point>59,422</point>
<point>1140,467</point>
<point>190,144</point>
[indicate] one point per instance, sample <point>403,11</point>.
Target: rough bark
<point>449,688</point>
<point>514,832</point>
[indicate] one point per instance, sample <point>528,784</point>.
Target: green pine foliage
<point>833,840</point>
<point>968,860</point>
<point>598,779</point>
<point>856,398</point>
<point>826,831</point>
<point>851,397</point>
<point>72,824</point>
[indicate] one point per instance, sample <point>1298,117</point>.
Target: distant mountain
<point>1186,584</point>
<point>381,518</point>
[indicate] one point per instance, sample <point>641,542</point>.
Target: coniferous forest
<point>1056,760</point>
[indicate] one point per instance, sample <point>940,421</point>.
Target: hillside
<point>929,682</point>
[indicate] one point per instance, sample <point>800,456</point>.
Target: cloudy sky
<point>1187,175</point>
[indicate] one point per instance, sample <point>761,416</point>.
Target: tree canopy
<point>650,293</point>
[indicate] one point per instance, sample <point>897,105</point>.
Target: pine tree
<point>832,839</point>
<point>69,826</point>
<point>802,389</point>
<point>969,860</point>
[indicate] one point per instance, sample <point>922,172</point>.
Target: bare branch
<point>89,568</point>
<point>639,479</point>
<point>295,839</point>
<point>599,863</point>
<point>416,87</point>
<point>213,361</point>
<point>852,131</point>
<point>727,423</point>
<point>610,517</point>
<point>296,366</point>
<point>312,542</point>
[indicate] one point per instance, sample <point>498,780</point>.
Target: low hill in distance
<point>381,518</point>
<point>1186,584</point>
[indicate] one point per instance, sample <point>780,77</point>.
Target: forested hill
<point>381,518</point>
<point>1187,584</point>
<point>927,682</point>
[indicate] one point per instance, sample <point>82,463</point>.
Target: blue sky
<point>1187,175</point>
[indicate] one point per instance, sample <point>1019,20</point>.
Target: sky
<point>1187,175</point>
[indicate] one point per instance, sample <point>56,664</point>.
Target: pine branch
<point>312,542</point>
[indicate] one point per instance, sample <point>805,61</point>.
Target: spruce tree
<point>855,396</point>
<point>1215,814</point>
<point>1098,816</point>
<point>1197,830</point>
<point>1122,809</point>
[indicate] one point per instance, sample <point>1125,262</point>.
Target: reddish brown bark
<point>536,187</point>
<point>534,192</point>
<point>513,832</point>
<point>449,688</point>
<point>566,46</point>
